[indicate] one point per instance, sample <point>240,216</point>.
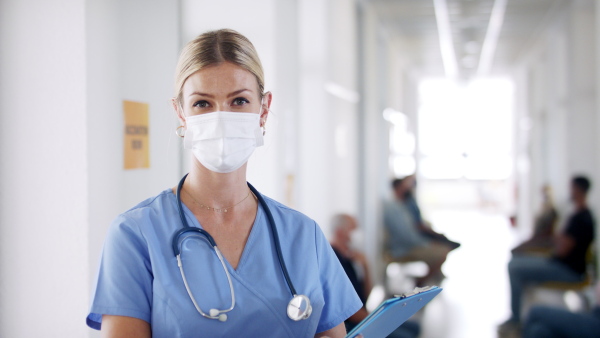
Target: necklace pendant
<point>217,209</point>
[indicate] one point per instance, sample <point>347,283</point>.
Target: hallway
<point>476,291</point>
<point>350,112</point>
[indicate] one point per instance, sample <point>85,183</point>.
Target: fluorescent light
<point>445,33</point>
<point>491,37</point>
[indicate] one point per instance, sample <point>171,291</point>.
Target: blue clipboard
<point>390,314</point>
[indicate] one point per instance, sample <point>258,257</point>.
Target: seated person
<point>405,243</point>
<point>568,262</point>
<point>542,241</point>
<point>422,226</point>
<point>357,269</point>
<point>548,322</point>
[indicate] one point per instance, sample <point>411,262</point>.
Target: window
<point>465,130</point>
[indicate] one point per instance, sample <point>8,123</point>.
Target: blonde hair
<point>215,47</point>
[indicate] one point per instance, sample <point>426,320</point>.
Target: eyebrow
<point>228,96</point>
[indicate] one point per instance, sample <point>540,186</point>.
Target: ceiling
<point>467,23</point>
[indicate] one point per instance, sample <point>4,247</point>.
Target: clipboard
<point>390,314</point>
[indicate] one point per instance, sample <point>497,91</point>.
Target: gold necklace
<point>216,209</point>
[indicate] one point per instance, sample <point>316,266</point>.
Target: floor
<point>475,298</point>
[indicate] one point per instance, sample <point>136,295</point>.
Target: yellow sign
<point>137,153</point>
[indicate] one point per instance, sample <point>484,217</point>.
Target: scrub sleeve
<point>124,286</point>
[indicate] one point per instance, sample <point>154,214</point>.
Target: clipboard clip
<point>416,291</point>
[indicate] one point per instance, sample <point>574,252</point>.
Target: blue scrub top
<point>139,276</point>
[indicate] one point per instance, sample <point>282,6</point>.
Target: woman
<point>145,289</point>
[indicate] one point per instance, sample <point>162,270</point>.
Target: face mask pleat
<point>223,141</point>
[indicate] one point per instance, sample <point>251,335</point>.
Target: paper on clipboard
<point>390,314</point>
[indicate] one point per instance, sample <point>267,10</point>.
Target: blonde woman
<point>212,257</point>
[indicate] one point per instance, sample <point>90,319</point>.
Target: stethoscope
<point>298,308</point>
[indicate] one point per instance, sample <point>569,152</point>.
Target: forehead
<point>222,78</point>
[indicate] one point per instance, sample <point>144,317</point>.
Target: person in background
<point>357,269</point>
<point>548,322</point>
<point>542,240</point>
<point>405,242</point>
<point>422,226</point>
<point>568,263</point>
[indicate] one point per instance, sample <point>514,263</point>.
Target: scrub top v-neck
<point>139,276</point>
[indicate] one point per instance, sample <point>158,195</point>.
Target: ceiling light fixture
<point>445,34</point>
<point>491,38</point>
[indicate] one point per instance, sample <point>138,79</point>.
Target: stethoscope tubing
<point>275,238</point>
<point>263,203</point>
<point>189,291</point>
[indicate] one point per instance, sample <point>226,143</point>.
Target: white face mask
<point>356,240</point>
<point>223,141</point>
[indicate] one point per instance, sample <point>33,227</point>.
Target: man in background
<point>422,226</point>
<point>568,262</point>
<point>404,240</point>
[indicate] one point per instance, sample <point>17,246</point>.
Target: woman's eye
<point>201,104</point>
<point>240,101</point>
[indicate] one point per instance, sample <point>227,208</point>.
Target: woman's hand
<point>337,332</point>
<point>124,327</point>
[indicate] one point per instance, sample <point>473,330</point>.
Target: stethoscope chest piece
<point>299,308</point>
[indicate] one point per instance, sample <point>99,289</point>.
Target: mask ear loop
<point>179,131</point>
<point>263,107</point>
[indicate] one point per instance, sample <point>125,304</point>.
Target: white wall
<point>131,55</point>
<point>373,132</point>
<point>66,67</point>
<point>43,171</point>
<point>344,101</point>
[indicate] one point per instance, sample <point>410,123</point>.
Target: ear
<point>178,111</point>
<point>265,106</point>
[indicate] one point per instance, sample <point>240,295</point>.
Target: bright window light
<point>402,143</point>
<point>465,130</point>
<point>403,165</point>
<point>488,168</point>
<point>442,167</point>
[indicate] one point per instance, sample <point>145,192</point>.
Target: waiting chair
<point>575,296</point>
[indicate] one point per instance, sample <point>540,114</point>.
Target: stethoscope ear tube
<point>275,238</point>
<point>299,307</point>
<point>186,226</point>
<point>182,231</point>
<point>179,207</point>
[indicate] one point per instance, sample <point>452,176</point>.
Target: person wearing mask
<point>422,225</point>
<point>212,257</point>
<point>404,242</point>
<point>568,262</point>
<point>356,267</point>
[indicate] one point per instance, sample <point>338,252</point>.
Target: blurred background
<point>484,100</point>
